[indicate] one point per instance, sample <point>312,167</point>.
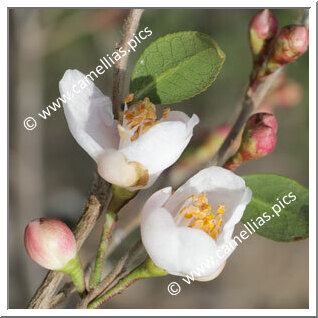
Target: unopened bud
<point>263,27</point>
<point>291,43</point>
<point>50,243</point>
<point>258,140</point>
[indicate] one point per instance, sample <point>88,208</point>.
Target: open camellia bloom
<point>133,152</point>
<point>192,227</point>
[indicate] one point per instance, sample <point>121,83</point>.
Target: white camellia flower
<point>131,154</point>
<point>188,232</point>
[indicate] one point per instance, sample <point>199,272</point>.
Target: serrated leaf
<point>269,193</point>
<point>176,67</point>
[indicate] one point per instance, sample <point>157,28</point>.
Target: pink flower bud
<point>50,243</point>
<point>259,137</point>
<point>292,42</point>
<point>258,140</point>
<point>263,27</point>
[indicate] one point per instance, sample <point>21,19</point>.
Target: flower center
<point>201,216</point>
<point>139,119</point>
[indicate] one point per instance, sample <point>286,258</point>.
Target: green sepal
<point>74,269</point>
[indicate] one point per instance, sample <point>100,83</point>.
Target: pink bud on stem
<point>263,28</point>
<point>258,140</point>
<point>51,244</point>
<point>291,43</point>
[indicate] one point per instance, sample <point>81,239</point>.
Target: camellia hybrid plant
<point>133,139</point>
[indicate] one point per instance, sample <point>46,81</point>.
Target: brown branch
<point>130,28</point>
<point>67,290</point>
<point>250,102</point>
<point>101,190</point>
<point>247,109</point>
<point>97,201</point>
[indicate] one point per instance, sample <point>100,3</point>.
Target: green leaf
<point>175,67</point>
<point>291,222</point>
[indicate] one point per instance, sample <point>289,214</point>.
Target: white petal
<point>88,113</point>
<point>177,116</point>
<point>114,168</point>
<point>186,251</point>
<point>179,250</point>
<point>157,200</point>
<point>236,216</point>
<point>161,145</point>
<point>158,235</point>
<point>198,255</point>
<point>220,185</point>
<point>213,275</point>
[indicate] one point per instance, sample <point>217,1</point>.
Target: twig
<point>247,109</point>
<point>130,28</point>
<point>98,290</point>
<point>67,290</point>
<point>250,102</point>
<point>104,242</point>
<point>97,201</point>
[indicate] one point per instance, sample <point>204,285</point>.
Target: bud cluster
<point>272,48</point>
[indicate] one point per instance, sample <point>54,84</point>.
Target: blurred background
<point>50,175</point>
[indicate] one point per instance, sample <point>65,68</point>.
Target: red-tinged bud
<point>259,120</point>
<point>291,43</point>
<point>263,27</point>
<point>50,243</point>
<point>258,140</point>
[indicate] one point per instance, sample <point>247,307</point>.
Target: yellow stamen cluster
<point>141,117</point>
<point>201,215</point>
